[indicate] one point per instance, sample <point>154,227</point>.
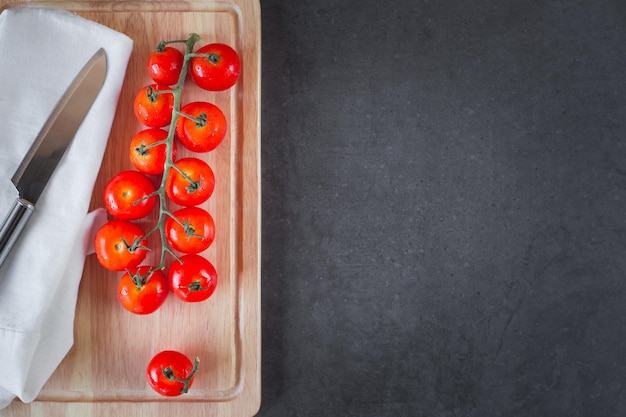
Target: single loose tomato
<point>129,195</point>
<point>152,107</point>
<point>218,69</point>
<point>192,230</point>
<point>148,157</point>
<point>120,244</point>
<point>190,183</point>
<point>165,64</point>
<point>142,291</point>
<point>192,278</point>
<point>171,373</point>
<point>205,130</point>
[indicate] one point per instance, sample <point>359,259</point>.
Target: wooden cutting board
<point>104,373</point>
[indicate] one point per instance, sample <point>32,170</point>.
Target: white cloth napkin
<point>41,50</point>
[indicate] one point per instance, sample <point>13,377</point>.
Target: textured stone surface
<point>444,194</point>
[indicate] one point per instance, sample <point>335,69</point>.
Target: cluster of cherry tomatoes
<point>121,244</point>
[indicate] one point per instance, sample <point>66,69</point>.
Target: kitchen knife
<point>44,155</point>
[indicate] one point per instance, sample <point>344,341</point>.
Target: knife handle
<point>13,224</point>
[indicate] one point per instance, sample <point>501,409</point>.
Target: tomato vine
<point>164,212</point>
<point>200,127</point>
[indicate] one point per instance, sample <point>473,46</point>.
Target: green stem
<point>135,246</point>
<point>142,199</point>
<point>190,180</point>
<point>213,58</point>
<point>161,46</point>
<point>187,228</point>
<point>169,145</point>
<point>200,119</point>
<point>169,374</point>
<point>195,287</point>
<point>138,279</point>
<point>152,145</point>
<point>143,149</point>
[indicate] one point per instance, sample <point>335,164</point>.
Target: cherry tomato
<point>152,108</point>
<point>192,188</point>
<point>192,232</point>
<point>120,244</point>
<point>147,158</point>
<point>129,195</point>
<point>141,291</point>
<point>171,373</point>
<point>218,70</point>
<point>204,133</point>
<point>164,66</point>
<point>192,278</point>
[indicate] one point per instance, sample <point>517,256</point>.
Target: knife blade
<point>41,160</point>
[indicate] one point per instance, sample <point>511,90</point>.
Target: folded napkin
<point>41,51</point>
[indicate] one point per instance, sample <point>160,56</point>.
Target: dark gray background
<point>444,194</point>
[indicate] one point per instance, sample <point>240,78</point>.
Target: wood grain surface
<point>103,374</point>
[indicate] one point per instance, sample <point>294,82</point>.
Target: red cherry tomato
<point>218,70</point>
<point>164,66</point>
<point>129,195</point>
<point>152,108</point>
<point>193,278</point>
<point>204,133</point>
<point>146,157</point>
<point>192,188</point>
<point>171,373</point>
<point>141,291</point>
<point>192,231</point>
<point>120,245</point>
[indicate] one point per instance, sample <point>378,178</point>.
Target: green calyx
<point>169,374</point>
